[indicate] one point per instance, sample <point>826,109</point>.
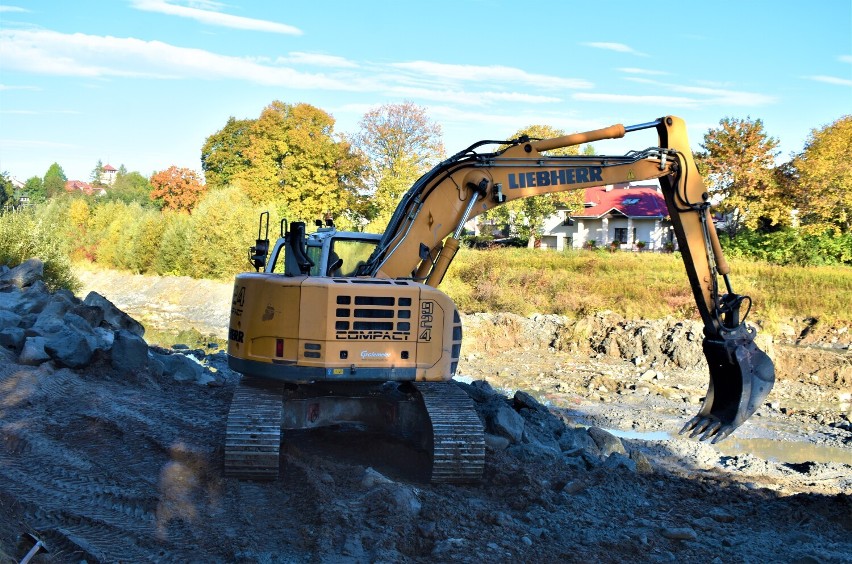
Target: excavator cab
<point>325,252</point>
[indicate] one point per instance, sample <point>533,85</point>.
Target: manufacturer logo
<point>556,177</point>
<point>368,354</point>
<point>235,335</point>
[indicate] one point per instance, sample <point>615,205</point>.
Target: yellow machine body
<point>309,328</point>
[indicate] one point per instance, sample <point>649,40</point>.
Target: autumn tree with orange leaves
<point>177,189</point>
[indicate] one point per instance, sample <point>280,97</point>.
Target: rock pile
<point>37,326</point>
<point>667,341</point>
<point>528,430</point>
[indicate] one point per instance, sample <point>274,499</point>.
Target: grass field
<point>637,285</point>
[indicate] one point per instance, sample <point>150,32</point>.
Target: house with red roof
<point>73,186</point>
<point>630,216</point>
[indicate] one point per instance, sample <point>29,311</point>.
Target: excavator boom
<point>417,245</point>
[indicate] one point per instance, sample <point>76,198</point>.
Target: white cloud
<point>100,57</point>
<point>15,87</point>
<point>656,100</point>
<point>617,47</point>
<point>830,80</point>
<point>845,58</point>
<point>49,52</point>
<point>632,70</point>
<point>4,8</point>
<point>39,112</point>
<point>470,98</point>
<point>34,144</point>
<point>494,73</point>
<point>208,15</point>
<point>726,97</point>
<point>707,95</point>
<point>316,59</point>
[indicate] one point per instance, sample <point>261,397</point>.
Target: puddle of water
<point>784,451</point>
<point>642,435</point>
<point>780,452</point>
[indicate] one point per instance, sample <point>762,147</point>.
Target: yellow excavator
<point>338,328</point>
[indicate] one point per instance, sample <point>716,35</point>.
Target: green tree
<point>824,173</point>
<point>7,190</point>
<point>95,177</point>
<point>319,174</point>
<point>54,181</point>
<point>30,234</point>
<point>527,215</point>
<point>224,154</point>
<point>131,187</point>
<point>34,189</point>
<point>401,143</point>
<point>739,166</point>
<point>289,157</point>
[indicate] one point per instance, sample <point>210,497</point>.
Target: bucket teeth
<point>741,377</point>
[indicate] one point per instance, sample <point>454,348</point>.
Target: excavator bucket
<point>741,376</point>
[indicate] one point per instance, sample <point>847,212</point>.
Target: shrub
<point>223,227</point>
<point>173,257</point>
<point>24,235</point>
<point>791,247</point>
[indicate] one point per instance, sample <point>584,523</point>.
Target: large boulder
<point>23,275</point>
<point>129,353</point>
<point>12,338</point>
<point>74,344</point>
<point>183,369</point>
<point>32,300</point>
<point>506,422</point>
<point>113,316</point>
<point>33,353</point>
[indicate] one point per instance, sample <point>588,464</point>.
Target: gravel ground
<point>104,467</point>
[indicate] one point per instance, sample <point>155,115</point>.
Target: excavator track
<point>253,432</point>
<point>458,438</point>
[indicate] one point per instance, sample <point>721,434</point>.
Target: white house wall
<point>654,232</point>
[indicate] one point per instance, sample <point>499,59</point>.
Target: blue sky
<point>144,82</point>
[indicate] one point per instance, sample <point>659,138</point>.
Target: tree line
<point>291,161</point>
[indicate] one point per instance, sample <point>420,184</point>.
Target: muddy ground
<point>112,468</point>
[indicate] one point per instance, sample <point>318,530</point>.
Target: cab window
<point>314,253</point>
<point>353,252</point>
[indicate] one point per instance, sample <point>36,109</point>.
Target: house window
<point>630,201</point>
<point>621,234</point>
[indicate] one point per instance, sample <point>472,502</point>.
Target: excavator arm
<point>423,237</point>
